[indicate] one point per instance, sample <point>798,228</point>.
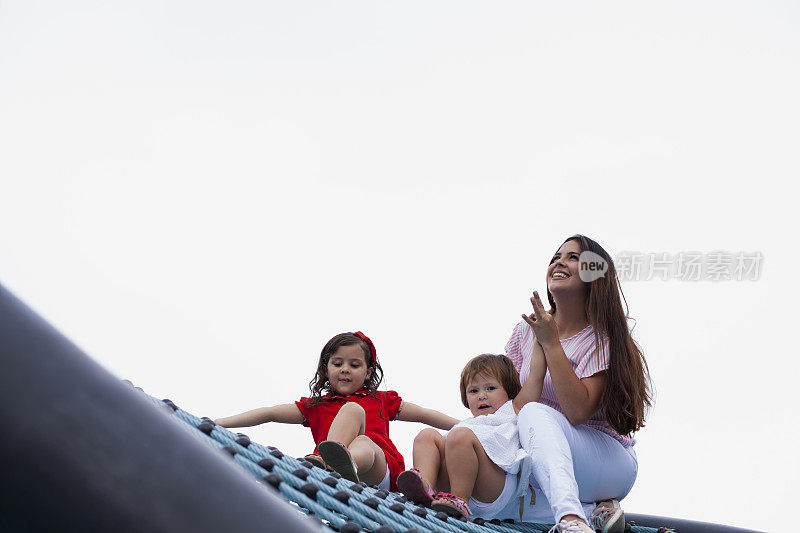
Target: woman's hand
<point>541,322</point>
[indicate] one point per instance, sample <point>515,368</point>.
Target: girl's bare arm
<point>286,414</point>
<point>410,412</point>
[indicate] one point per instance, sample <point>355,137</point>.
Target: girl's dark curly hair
<point>320,384</point>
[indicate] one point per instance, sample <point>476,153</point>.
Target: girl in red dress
<point>348,416</point>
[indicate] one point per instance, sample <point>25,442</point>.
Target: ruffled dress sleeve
<point>391,403</point>
<point>305,410</point>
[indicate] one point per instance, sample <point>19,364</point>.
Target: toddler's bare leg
<point>471,471</point>
<point>429,448</point>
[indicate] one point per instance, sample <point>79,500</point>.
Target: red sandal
<point>415,488</point>
<point>451,504</point>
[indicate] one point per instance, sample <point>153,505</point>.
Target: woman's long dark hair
<point>320,384</point>
<point>628,393</point>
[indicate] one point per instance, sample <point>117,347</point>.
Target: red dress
<point>380,409</point>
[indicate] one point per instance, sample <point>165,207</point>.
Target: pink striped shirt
<point>585,361</point>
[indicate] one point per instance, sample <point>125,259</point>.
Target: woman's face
<point>563,273</point>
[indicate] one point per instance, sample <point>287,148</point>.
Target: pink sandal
<point>415,488</point>
<point>316,460</point>
<point>451,504</point>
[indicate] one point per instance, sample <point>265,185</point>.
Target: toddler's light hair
<point>498,366</point>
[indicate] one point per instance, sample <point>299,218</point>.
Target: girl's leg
<point>349,423</point>
<point>472,473</point>
<point>429,447</point>
<point>370,459</point>
<point>347,426</point>
<point>572,464</point>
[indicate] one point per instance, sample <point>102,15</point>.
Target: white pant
<point>574,464</point>
<point>534,508</point>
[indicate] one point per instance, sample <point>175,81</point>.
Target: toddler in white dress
<point>480,467</point>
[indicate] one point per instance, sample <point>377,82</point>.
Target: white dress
<point>499,436</point>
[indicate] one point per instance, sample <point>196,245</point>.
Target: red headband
<point>369,343</point>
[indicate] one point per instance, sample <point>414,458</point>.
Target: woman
<point>595,390</point>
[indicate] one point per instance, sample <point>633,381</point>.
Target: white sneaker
<point>574,526</point>
<point>608,517</point>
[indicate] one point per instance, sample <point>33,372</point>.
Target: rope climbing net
<point>334,502</point>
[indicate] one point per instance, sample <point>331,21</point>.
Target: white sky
<point>200,194</point>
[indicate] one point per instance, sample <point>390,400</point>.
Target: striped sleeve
<point>513,346</point>
<point>593,361</point>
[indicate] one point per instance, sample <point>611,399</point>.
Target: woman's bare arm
<point>579,398</point>
<point>532,388</point>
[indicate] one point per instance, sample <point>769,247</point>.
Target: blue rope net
<point>339,504</point>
